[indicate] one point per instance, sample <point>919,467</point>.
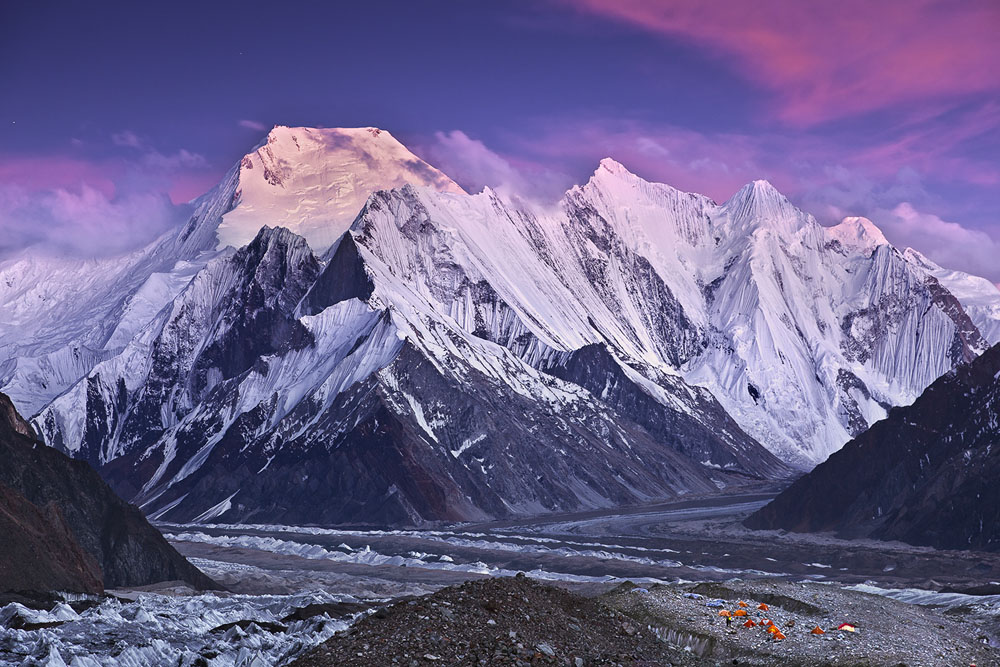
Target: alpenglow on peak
<point>314,181</point>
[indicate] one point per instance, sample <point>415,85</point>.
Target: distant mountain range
<point>385,348</point>
<point>928,474</point>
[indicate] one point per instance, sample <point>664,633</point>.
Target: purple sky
<point>113,115</point>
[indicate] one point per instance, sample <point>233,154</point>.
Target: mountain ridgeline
<point>386,348</point>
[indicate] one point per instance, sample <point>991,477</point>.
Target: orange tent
<point>763,607</point>
<point>749,624</point>
<point>740,612</point>
<point>817,631</point>
<point>778,636</point>
<point>724,612</point>
<point>773,629</point>
<point>743,604</point>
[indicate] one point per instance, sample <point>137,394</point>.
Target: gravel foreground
<point>520,621</point>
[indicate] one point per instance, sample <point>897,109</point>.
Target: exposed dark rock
<point>928,474</point>
<point>343,278</point>
<point>62,504</point>
<point>383,468</point>
<point>331,609</point>
<point>38,552</point>
<point>246,624</point>
<point>967,338</point>
<point>712,437</point>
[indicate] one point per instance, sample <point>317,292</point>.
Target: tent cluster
<point>742,611</point>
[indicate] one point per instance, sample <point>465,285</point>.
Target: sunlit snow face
<point>314,182</point>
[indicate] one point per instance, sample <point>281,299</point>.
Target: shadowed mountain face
<point>928,474</point>
<point>64,529</point>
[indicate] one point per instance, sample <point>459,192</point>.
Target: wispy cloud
<point>827,60</point>
<point>151,157</point>
<point>252,125</point>
<point>472,165</point>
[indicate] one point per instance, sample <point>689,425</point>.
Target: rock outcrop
<point>63,528</point>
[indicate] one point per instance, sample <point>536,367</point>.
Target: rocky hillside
<point>929,474</point>
<point>64,529</point>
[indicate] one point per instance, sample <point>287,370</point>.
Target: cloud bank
<point>111,199</point>
<point>82,222</point>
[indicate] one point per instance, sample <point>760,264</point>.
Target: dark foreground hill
<point>63,528</point>
<point>929,474</point>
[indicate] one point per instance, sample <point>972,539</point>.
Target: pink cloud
<point>98,206</point>
<point>828,60</point>
<point>39,173</point>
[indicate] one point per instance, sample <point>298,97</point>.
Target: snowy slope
<point>233,393</point>
<point>805,334</point>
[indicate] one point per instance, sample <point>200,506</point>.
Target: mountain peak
<point>613,166</point>
<point>760,204</point>
<point>858,232</point>
<point>759,190</point>
<point>315,180</point>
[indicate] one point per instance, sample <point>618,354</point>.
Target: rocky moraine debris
<point>498,621</point>
<point>519,621</point>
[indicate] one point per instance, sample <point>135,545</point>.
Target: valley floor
<point>665,549</point>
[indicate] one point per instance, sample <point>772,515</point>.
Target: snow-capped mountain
<point>276,389</point>
<point>58,317</point>
<point>440,355</point>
